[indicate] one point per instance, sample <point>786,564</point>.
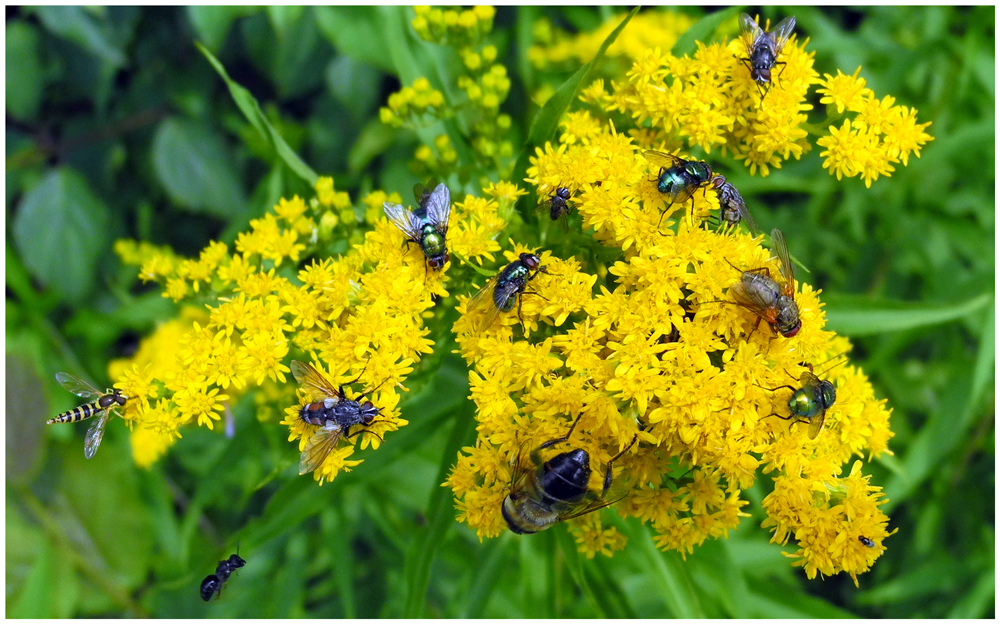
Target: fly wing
<point>317,386</point>
<point>662,159</point>
<point>405,220</point>
<point>753,299</point>
<point>741,207</point>
<point>483,300</point>
<point>813,387</point>
<point>501,295</point>
<point>318,448</point>
<point>77,386</point>
<point>816,424</point>
<point>439,208</point>
<point>780,247</point>
<point>749,31</point>
<point>781,33</point>
<point>95,434</point>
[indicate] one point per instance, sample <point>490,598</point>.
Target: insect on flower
<point>107,402</point>
<point>678,179</point>
<point>213,582</point>
<point>763,296</point>
<point>427,226</point>
<point>557,204</point>
<point>510,284</point>
<point>732,208</point>
<point>544,493</point>
<point>867,542</point>
<point>331,411</point>
<point>763,48</point>
<point>810,402</point>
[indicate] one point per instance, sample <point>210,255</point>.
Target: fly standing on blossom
<point>213,582</point>
<point>331,411</point>
<point>557,204</point>
<point>500,291</point>
<point>763,48</point>
<point>810,402</point>
<point>758,292</point>
<point>678,179</point>
<point>732,208</point>
<point>867,542</point>
<point>427,226</point>
<point>107,403</point>
<point>544,493</point>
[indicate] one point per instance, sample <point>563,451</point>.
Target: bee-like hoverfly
<point>558,203</point>
<point>213,582</point>
<point>544,493</point>
<point>501,290</point>
<point>763,48</point>
<point>678,179</point>
<point>732,208</point>
<point>427,226</point>
<point>107,402</point>
<point>763,296</point>
<point>331,411</point>
<point>810,401</point>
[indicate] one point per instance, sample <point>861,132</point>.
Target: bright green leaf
<point>283,17</point>
<point>861,316</point>
<point>196,169</point>
<point>60,230</point>
<point>355,32</point>
<point>702,30</point>
<point>374,139</point>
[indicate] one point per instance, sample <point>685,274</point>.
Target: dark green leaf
<point>702,30</point>
<point>196,169</point>
<point>25,79</point>
<point>251,110</point>
<point>283,17</point>
<point>374,139</point>
<point>60,230</point>
<point>863,316</point>
<point>677,589</point>
<point>356,32</point>
<point>354,84</point>
<point>82,26</point>
<point>212,23</point>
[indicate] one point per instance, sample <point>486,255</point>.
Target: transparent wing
<point>78,386</point>
<point>318,448</point>
<point>780,247</point>
<point>317,386</point>
<point>483,301</point>
<point>781,33</point>
<point>662,159</point>
<point>438,208</point>
<point>95,434</point>
<point>750,31</point>
<point>403,219</point>
<point>745,214</point>
<point>501,295</point>
<point>593,505</point>
<point>816,424</point>
<point>752,298</point>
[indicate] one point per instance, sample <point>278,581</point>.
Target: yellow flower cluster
<point>411,104</point>
<point>363,313</point>
<point>647,30</point>
<point>663,355</point>
<point>461,29</point>
<point>876,137</point>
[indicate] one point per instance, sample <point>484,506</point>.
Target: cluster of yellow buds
<point>458,28</point>
<point>427,161</point>
<point>411,104</point>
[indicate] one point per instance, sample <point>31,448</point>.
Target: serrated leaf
<point>25,78</point>
<point>194,167</point>
<point>60,230</point>
<point>251,110</point>
<point>861,316</point>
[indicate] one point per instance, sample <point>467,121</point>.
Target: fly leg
<point>608,471</point>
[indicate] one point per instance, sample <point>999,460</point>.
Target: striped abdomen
<point>78,413</point>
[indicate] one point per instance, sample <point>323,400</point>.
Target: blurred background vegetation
<point>117,127</point>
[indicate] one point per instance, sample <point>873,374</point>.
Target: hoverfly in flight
<point>107,402</point>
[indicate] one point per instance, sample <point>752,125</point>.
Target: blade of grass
<point>862,316</point>
<point>251,110</point>
<point>545,123</point>
<point>485,576</point>
<point>440,516</point>
<point>575,566</point>
<point>678,589</point>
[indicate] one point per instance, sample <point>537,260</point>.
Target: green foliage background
<point>118,127</point>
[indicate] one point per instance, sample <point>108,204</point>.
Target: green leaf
<point>212,23</point>
<point>354,84</point>
<point>60,230</point>
<point>283,17</point>
<point>35,598</point>
<point>677,588</point>
<point>546,122</point>
<point>986,358</point>
<point>702,30</point>
<point>25,78</point>
<point>80,26</point>
<point>195,168</point>
<point>251,110</point>
<point>863,316</point>
<point>374,139</point>
<point>355,32</point>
